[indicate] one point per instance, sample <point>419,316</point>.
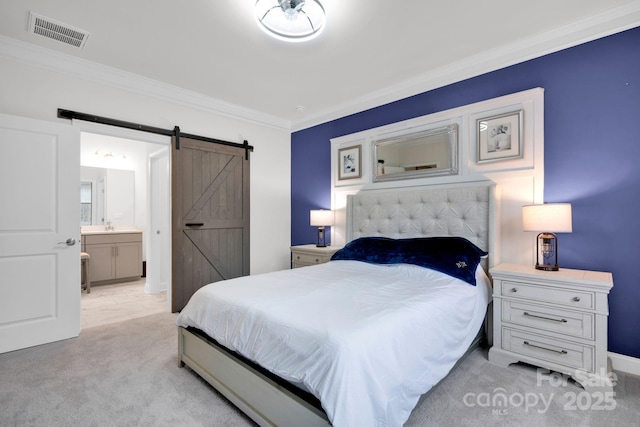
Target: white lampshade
<point>550,217</point>
<point>321,218</point>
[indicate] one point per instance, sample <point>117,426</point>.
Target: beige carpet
<point>126,374</point>
<point>122,374</point>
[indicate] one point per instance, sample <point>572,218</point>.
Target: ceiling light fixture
<point>290,20</point>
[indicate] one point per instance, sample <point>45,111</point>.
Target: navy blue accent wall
<point>592,158</point>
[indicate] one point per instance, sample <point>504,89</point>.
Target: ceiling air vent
<point>55,30</point>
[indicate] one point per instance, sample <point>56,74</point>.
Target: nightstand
<point>305,255</point>
<point>552,319</point>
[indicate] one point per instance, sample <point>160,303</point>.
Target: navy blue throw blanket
<point>455,256</point>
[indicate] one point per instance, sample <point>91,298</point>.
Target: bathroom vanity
<point>116,256</point>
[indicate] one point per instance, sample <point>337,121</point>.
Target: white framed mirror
<point>416,154</point>
<point>109,195</point>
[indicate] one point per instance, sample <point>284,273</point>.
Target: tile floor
<point>117,302</point>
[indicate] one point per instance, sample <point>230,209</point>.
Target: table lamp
<point>548,219</point>
<point>321,219</point>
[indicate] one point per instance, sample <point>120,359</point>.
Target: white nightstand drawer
<point>574,323</point>
<point>556,351</point>
<point>305,255</point>
<point>309,259</point>
<point>555,295</point>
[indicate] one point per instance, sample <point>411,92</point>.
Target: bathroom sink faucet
<point>108,227</point>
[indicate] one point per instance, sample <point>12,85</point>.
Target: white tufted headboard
<point>466,210</point>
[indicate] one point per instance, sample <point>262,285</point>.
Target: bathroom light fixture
<point>321,218</point>
<point>290,20</point>
<point>548,218</point>
<point>110,155</point>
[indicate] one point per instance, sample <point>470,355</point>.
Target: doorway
<point>145,159</point>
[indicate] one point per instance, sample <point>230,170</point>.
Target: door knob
<point>69,242</point>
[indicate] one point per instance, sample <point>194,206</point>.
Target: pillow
<point>455,256</point>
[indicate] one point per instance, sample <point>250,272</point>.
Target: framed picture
<point>500,137</point>
<point>349,162</point>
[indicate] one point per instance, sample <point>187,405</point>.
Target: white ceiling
<point>371,52</point>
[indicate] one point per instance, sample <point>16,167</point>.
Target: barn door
<point>210,216</point>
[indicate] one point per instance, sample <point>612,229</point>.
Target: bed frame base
<point>259,397</point>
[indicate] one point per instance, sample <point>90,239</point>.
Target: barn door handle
<point>194,224</point>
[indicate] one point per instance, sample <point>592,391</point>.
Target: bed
<point>354,341</point>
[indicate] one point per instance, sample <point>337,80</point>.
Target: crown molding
<point>83,69</point>
<point>582,31</point>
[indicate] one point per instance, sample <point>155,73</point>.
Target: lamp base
<point>322,243</point>
<point>547,267</point>
<point>547,252</point>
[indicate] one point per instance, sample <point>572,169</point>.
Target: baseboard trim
<point>626,364</point>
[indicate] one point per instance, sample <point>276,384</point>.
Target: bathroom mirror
<point>423,153</point>
<point>109,195</point>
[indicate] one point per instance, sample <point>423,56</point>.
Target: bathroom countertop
<point>116,231</point>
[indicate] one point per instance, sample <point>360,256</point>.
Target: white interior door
<point>159,254</point>
<point>39,232</point>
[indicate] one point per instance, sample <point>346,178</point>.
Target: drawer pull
<point>514,290</point>
<point>545,318</point>
<point>576,299</point>
<point>545,348</point>
<point>194,224</point>
<point>317,260</point>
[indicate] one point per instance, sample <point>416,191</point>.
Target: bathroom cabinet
<point>114,256</point>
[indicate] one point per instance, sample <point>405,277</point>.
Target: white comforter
<point>367,340</point>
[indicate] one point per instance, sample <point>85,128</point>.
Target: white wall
<point>31,88</point>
